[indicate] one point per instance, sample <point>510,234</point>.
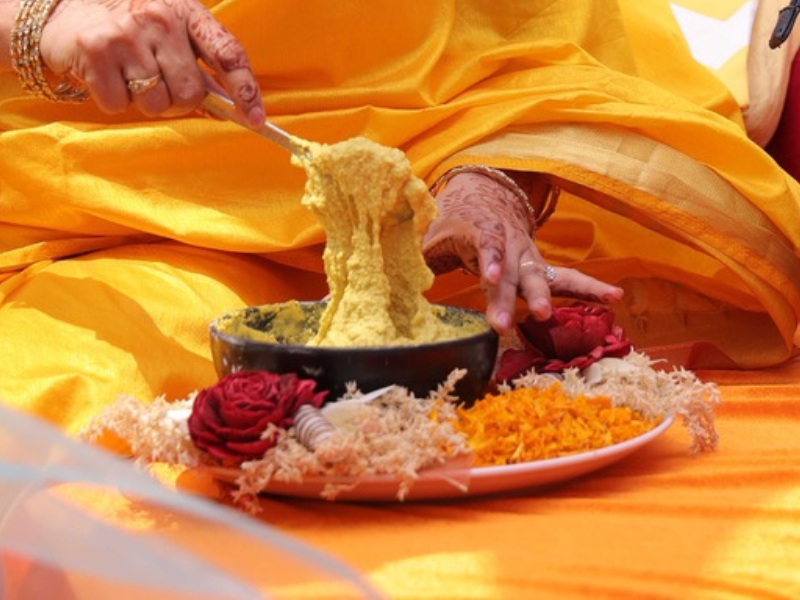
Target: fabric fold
<point>664,192</point>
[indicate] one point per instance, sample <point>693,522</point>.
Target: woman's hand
<point>106,44</point>
<point>483,227</point>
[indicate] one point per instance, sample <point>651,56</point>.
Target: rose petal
<point>229,418</point>
<point>253,449</point>
<point>515,363</point>
<point>569,342</point>
<point>574,336</point>
<point>537,333</point>
<point>236,418</point>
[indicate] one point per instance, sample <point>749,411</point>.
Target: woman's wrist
<point>26,57</point>
<point>538,202</point>
<point>498,177</point>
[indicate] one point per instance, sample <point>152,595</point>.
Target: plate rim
<point>577,465</point>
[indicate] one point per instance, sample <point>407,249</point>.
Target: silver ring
<point>140,86</point>
<point>550,274</point>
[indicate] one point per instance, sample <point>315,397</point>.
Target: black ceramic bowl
<point>420,368</point>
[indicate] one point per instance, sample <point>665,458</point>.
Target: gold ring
<point>140,86</point>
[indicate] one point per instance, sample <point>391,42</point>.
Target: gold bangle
<point>497,176</point>
<point>26,57</point>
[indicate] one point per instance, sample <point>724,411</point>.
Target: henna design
<point>183,9</point>
<point>492,239</point>
<point>205,30</point>
<point>231,56</point>
<point>218,47</point>
<point>473,206</point>
<point>247,93</point>
<point>485,196</point>
<point>490,235</point>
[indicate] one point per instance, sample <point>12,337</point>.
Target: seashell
<point>599,372</point>
<point>344,414</point>
<point>311,427</point>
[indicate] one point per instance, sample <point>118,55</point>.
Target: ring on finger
<point>550,273</point>
<point>140,86</point>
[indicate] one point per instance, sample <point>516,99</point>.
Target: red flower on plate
<point>229,418</point>
<point>574,336</point>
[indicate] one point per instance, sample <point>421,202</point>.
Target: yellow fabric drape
<point>121,237</point>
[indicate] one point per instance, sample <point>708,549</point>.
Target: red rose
<point>574,336</point>
<point>228,418</point>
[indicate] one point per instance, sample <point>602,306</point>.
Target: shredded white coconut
<point>396,436</point>
<point>155,432</point>
<point>399,434</point>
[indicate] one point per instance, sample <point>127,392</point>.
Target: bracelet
<point>26,57</point>
<point>497,176</point>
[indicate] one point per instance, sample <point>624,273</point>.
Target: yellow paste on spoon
<point>375,213</point>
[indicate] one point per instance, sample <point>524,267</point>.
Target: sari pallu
<point>121,237</point>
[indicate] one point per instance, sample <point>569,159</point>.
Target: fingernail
<point>492,273</point>
<point>256,117</point>
<point>502,321</point>
<point>613,296</point>
<point>541,309</point>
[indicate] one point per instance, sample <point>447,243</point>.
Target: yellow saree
<point>121,238</point>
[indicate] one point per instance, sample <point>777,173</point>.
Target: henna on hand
<point>483,227</point>
<point>476,217</point>
<point>106,43</point>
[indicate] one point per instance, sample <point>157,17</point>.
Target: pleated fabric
<point>122,237</point>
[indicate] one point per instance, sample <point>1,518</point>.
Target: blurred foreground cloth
<point>77,523</point>
<point>121,237</point>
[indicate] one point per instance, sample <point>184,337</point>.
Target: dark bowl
<point>420,368</point>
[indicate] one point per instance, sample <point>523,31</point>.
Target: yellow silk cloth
<point>122,237</point>
<point>706,25</point>
<point>731,38</point>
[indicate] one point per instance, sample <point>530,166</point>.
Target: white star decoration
<point>713,41</point>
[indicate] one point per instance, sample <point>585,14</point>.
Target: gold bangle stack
<point>26,57</point>
<point>497,176</point>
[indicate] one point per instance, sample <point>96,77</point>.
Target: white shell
<point>599,372</point>
<point>311,427</point>
<point>343,414</point>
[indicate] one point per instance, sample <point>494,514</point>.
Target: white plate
<point>480,480</point>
